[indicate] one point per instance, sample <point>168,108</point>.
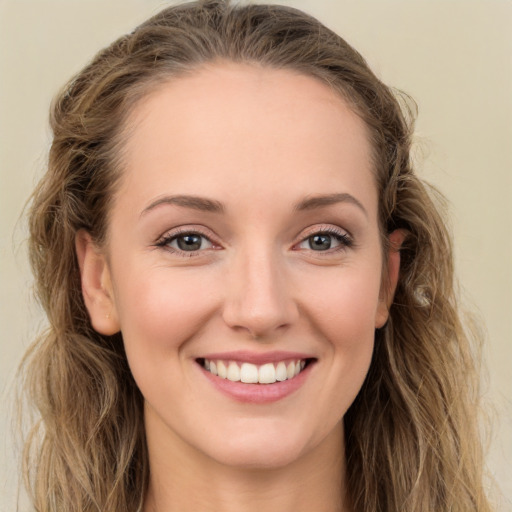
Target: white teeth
<point>290,370</point>
<point>233,372</point>
<point>281,371</point>
<point>252,374</point>
<point>267,374</point>
<point>249,373</point>
<point>222,370</point>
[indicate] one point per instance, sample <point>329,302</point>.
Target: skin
<point>259,141</point>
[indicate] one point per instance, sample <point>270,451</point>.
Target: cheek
<point>344,311</point>
<point>159,311</point>
<point>345,303</point>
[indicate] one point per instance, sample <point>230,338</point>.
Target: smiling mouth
<point>248,373</point>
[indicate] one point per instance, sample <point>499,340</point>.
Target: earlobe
<point>388,286</point>
<point>96,285</point>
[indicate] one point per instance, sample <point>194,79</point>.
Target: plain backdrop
<point>453,57</point>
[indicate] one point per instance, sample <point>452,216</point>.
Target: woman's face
<point>243,237</point>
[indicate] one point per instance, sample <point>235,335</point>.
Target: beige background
<point>453,57</point>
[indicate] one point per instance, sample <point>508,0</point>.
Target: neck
<point>186,482</point>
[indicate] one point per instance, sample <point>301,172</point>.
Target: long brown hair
<point>411,435</point>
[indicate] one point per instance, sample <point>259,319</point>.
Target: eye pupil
<point>320,242</point>
<point>189,242</point>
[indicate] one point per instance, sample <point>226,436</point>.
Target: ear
<point>96,285</point>
<point>388,286</point>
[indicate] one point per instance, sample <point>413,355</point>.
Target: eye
<point>185,242</point>
<point>326,240</point>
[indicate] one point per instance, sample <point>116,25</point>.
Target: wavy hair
<point>412,440</point>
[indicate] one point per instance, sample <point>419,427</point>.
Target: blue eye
<point>186,242</point>
<point>320,242</point>
<point>324,241</point>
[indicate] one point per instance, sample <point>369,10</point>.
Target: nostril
<point>259,306</point>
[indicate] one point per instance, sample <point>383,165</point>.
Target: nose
<point>259,299</point>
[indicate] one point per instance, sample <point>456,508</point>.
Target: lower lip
<point>258,393</point>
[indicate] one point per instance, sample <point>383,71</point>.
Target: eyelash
<point>344,239</point>
<point>165,240</point>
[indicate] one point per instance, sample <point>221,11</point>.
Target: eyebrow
<point>211,205</point>
<point>195,202</point>
<point>313,202</point>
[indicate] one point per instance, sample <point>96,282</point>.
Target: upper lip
<point>258,358</point>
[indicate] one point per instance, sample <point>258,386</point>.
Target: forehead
<point>245,129</point>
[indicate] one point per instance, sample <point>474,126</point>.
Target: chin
<point>258,450</point>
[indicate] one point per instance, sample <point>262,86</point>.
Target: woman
<point>250,293</point>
